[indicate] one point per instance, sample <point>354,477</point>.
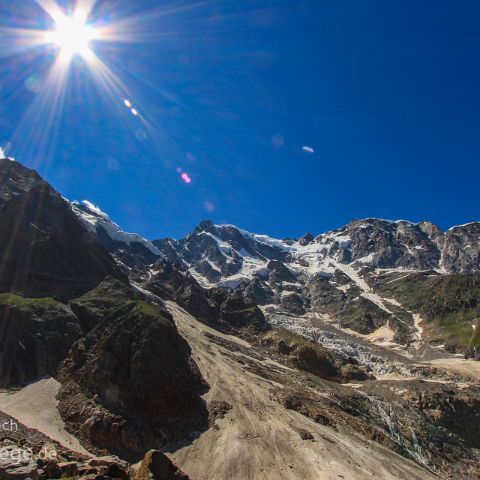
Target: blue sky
<point>384,92</point>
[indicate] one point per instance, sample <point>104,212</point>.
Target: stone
<point>107,461</point>
<point>116,471</point>
<point>305,434</point>
<point>52,470</point>
<point>157,466</point>
<point>69,469</point>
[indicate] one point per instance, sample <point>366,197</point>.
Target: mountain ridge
<point>420,235</point>
<point>86,204</point>
<point>340,275</point>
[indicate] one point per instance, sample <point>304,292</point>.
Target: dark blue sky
<point>385,92</point>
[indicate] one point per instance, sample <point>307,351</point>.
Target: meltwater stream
<point>387,416</point>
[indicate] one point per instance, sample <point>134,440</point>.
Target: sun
<point>73,36</point>
<point>69,30</point>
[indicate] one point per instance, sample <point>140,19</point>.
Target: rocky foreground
<point>18,462</point>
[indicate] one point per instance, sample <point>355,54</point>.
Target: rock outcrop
<point>47,252</point>
<point>35,336</point>
<point>130,384</point>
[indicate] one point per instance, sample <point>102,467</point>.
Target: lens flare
<point>186,177</point>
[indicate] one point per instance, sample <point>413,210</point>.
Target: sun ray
<point>14,41</point>
<point>38,129</point>
<point>52,8</point>
<point>69,41</point>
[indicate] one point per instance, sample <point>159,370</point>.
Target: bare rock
<point>305,434</point>
<point>68,469</point>
<point>157,466</point>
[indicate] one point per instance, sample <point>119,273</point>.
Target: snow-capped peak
<point>94,209</point>
<point>94,220</point>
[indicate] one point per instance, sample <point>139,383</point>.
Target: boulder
<point>68,469</point>
<point>48,453</point>
<point>157,466</point>
<point>107,461</point>
<point>116,471</point>
<point>52,469</point>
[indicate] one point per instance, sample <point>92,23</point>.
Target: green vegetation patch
<point>244,310</point>
<point>106,297</point>
<point>295,340</point>
<point>290,338</point>
<point>150,310</point>
<point>449,302</point>
<point>475,341</point>
<point>28,304</point>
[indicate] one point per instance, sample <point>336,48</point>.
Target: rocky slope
<point>130,384</point>
<point>282,422</point>
<point>128,380</point>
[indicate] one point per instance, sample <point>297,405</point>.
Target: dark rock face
<point>46,251</point>
<point>217,251</point>
<point>170,283</point>
<point>35,336</point>
<point>279,272</point>
<point>293,303</point>
<point>135,382</point>
<point>217,308</point>
<point>349,308</point>
<point>257,291</point>
<point>310,359</point>
<point>239,314</point>
<point>306,239</point>
<point>421,246</point>
<point>131,251</point>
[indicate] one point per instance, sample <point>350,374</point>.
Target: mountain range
<point>350,354</point>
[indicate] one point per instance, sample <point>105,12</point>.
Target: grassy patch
<point>475,340</point>
<point>149,309</point>
<point>294,340</point>
<point>289,337</point>
<point>22,303</point>
<point>105,297</point>
<point>450,303</point>
<point>244,310</point>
